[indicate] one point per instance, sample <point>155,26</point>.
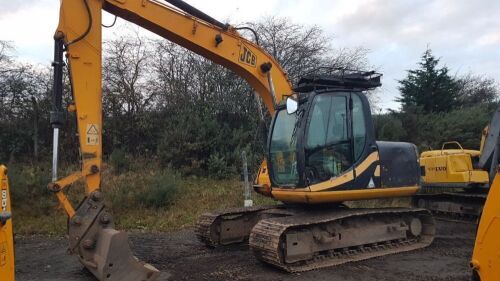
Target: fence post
<point>248,202</point>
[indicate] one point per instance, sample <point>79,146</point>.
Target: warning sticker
<point>92,137</point>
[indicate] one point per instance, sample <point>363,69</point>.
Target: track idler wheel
<point>102,249</point>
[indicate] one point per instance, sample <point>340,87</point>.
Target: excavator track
<point>232,226</point>
<point>452,206</point>
<point>314,240</point>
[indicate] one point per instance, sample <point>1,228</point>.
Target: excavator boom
<point>78,37</point>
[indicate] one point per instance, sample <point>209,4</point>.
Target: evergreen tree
<point>429,87</point>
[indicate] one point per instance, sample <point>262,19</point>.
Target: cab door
<point>328,142</point>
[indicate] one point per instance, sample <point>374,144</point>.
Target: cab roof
<point>343,80</point>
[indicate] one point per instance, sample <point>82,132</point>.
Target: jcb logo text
<point>246,56</point>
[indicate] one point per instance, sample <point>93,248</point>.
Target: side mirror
<point>292,103</point>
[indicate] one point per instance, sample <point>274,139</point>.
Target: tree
<point>127,94</point>
<point>5,56</point>
<point>429,87</point>
<point>302,50</point>
<point>476,89</point>
<point>163,101</point>
<point>20,86</point>
<point>388,127</point>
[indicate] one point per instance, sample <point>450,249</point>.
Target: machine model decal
<point>437,169</point>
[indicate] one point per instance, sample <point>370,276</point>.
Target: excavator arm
<point>102,249</point>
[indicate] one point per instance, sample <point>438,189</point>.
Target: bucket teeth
<point>101,248</point>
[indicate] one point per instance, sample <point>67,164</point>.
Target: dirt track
<point>185,258</point>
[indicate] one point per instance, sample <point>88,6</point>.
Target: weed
<point>119,161</point>
<point>160,191</point>
<point>217,167</point>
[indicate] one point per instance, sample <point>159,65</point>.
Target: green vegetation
<point>145,198</point>
<point>437,107</point>
<point>162,102</point>
<point>428,87</point>
<point>429,131</point>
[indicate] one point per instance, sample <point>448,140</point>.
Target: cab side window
<point>358,126</point>
<point>328,147</point>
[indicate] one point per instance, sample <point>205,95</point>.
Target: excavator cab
<point>323,139</point>
<point>322,130</point>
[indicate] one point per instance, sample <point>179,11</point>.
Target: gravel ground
<point>184,258</point>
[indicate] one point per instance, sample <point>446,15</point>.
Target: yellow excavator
<point>485,260</point>
<point>321,152</point>
<point>466,173</point>
<point>6,238</point>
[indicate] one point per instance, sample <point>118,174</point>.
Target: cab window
<point>328,147</point>
<point>358,127</point>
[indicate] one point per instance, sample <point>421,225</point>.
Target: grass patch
<point>145,198</point>
<point>195,196</point>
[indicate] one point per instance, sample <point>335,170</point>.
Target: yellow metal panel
<point>459,163</point>
<point>449,168</point>
<point>433,153</point>
<point>262,183</point>
<point>65,204</point>
<point>291,196</point>
<point>6,238</point>
<point>481,177</point>
<point>85,64</point>
<point>486,256</point>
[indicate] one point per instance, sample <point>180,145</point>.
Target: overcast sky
<point>465,34</point>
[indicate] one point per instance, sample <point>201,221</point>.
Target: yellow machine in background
<point>452,167</point>
<point>486,257</point>
<point>467,172</point>
<point>6,238</point>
